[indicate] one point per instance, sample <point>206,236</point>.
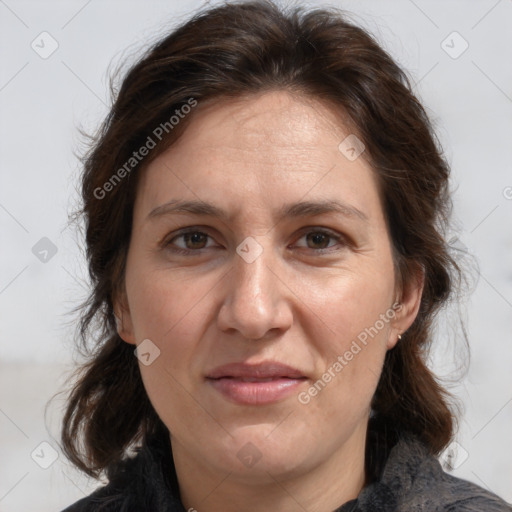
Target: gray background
<point>44,100</point>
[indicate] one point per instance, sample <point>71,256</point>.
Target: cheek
<point>350,304</point>
<point>350,334</point>
<point>173,312</point>
<point>163,303</point>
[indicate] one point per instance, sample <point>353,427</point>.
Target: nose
<point>256,300</point>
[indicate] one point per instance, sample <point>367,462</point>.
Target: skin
<point>292,304</point>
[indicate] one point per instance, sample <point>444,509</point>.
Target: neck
<point>206,488</point>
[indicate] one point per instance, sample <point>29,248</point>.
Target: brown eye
<point>192,241</point>
<point>318,239</point>
<point>321,240</point>
<point>195,239</point>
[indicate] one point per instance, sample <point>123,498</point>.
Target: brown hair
<point>228,51</point>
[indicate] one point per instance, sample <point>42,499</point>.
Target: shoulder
<point>463,496</point>
<point>101,500</point>
<point>112,497</point>
<point>410,478</point>
<point>123,491</point>
<point>426,486</point>
<point>146,481</point>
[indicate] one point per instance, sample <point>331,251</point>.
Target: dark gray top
<point>410,480</point>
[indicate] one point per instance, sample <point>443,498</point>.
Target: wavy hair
<point>235,50</point>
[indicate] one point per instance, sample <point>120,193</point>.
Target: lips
<point>255,384</point>
<point>265,370</point>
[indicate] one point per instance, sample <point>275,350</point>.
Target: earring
<point>399,337</point>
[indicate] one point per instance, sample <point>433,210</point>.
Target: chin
<point>255,455</point>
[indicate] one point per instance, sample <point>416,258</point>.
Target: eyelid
<point>336,236</point>
<point>166,241</point>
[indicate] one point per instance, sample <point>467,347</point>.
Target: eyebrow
<point>292,210</point>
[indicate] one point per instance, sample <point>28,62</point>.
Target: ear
<point>123,319</point>
<point>409,305</point>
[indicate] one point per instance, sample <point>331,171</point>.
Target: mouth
<point>256,384</point>
<point>254,379</point>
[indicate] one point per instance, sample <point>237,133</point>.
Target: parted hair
<point>229,51</point>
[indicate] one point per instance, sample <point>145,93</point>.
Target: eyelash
<point>166,244</point>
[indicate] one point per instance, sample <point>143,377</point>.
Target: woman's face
<point>256,288</point>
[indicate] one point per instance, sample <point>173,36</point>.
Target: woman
<point>264,207</point>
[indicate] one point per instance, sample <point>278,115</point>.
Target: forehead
<point>274,120</point>
<point>261,149</point>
